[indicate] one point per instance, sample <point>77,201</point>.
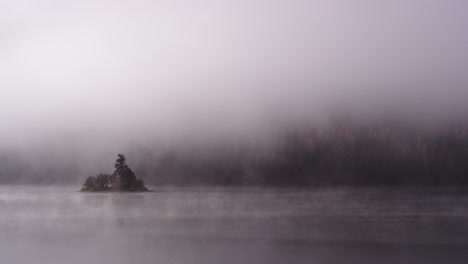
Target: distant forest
<point>339,155</point>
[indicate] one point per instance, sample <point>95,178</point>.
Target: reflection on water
<point>208,225</point>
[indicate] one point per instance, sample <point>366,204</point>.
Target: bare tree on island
<point>123,179</point>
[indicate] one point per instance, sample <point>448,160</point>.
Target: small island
<point>122,180</point>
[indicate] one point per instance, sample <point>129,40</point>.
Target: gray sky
<point>106,71</point>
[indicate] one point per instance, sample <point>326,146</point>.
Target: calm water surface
<point>219,225</point>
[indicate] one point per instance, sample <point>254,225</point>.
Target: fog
<point>84,80</point>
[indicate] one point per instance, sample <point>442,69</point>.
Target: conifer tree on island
<point>123,179</point>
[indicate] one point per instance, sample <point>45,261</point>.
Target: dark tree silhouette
<point>123,179</point>
<point>127,178</point>
<point>120,164</point>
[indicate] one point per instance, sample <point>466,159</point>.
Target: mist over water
<point>213,225</point>
<point>266,111</point>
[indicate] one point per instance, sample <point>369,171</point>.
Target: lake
<point>234,225</point>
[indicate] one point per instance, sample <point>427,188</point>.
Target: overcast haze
<point>111,73</point>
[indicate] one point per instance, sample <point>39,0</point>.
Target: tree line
<point>339,155</point>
